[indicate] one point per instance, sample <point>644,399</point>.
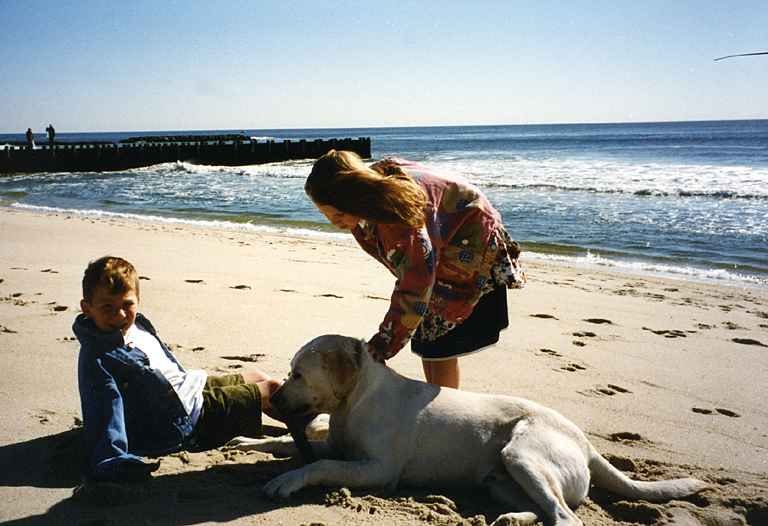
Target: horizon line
<point>587,123</point>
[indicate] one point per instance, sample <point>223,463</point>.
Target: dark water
<point>688,198</point>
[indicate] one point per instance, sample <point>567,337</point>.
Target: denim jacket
<point>129,409</point>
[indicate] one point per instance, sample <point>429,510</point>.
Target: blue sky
<point>150,65</point>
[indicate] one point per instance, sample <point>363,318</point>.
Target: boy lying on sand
<point>137,399</point>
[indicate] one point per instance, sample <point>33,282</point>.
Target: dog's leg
<point>352,474</point>
<point>506,491</point>
<point>282,446</point>
<point>549,466</point>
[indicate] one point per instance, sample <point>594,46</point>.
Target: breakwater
<point>146,151</point>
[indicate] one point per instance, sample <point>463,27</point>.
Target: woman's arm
<point>410,255</point>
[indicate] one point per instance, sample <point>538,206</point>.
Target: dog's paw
<point>285,485</point>
<point>244,444</point>
<point>278,446</point>
<point>318,428</point>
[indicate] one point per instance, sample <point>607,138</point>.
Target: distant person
<point>444,243</point>
<point>30,139</point>
<point>51,134</point>
<point>137,399</point>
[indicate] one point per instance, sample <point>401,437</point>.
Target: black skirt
<point>489,317</point>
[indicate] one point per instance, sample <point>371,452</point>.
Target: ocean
<point>681,199</point>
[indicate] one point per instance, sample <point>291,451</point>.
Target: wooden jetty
<point>146,151</point>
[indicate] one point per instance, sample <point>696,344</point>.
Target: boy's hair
<point>383,194</point>
<point>114,274</point>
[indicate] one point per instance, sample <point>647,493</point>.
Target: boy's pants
<point>231,408</point>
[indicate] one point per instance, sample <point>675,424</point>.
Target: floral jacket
<point>441,267</point>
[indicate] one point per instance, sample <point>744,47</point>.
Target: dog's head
<point>323,373</point>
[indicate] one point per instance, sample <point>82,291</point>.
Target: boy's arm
<point>106,440</point>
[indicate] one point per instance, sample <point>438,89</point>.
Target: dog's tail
<point>605,476</point>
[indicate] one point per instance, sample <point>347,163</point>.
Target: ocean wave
<point>645,192</point>
<point>653,268</point>
<point>613,176</point>
<point>204,223</point>
<point>285,169</point>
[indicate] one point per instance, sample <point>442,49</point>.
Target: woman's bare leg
<point>444,373</point>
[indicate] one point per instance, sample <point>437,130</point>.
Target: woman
<point>444,243</point>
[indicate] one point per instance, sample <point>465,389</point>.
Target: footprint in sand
<point>748,341</point>
<point>608,390</point>
<point>585,334</point>
<point>551,352</point>
<point>19,268</point>
<point>668,333</point>
<point>598,321</point>
<point>66,339</point>
<point>6,330</point>
<point>255,357</point>
<point>626,436</point>
<point>145,278</point>
<point>573,367</point>
<point>44,415</point>
<point>579,343</point>
<point>1,280</point>
<point>287,290</point>
<point>50,270</point>
<point>732,326</point>
<point>57,308</point>
<point>240,287</point>
<point>719,410</point>
<point>328,295</point>
<point>194,281</point>
<point>371,297</point>
<point>544,316</point>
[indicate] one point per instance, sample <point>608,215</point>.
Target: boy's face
<point>112,312</point>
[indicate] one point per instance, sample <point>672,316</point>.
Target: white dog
<point>386,429</point>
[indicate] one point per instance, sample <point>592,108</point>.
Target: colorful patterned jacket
<point>440,267</point>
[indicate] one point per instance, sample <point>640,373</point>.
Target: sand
<point>667,378</point>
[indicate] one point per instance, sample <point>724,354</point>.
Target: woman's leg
<point>444,373</point>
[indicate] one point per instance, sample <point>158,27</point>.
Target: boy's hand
<point>135,472</point>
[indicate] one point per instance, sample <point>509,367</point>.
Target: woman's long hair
<point>384,195</point>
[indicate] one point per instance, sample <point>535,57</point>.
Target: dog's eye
<point>294,375</point>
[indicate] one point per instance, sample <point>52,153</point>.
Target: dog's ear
<point>342,366</point>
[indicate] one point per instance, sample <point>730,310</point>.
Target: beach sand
<point>667,378</point>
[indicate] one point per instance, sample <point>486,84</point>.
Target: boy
<point>136,398</point>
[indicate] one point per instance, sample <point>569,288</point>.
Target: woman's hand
<point>377,348</point>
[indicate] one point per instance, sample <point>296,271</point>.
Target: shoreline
<point>665,376</point>
<point>568,255</point>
